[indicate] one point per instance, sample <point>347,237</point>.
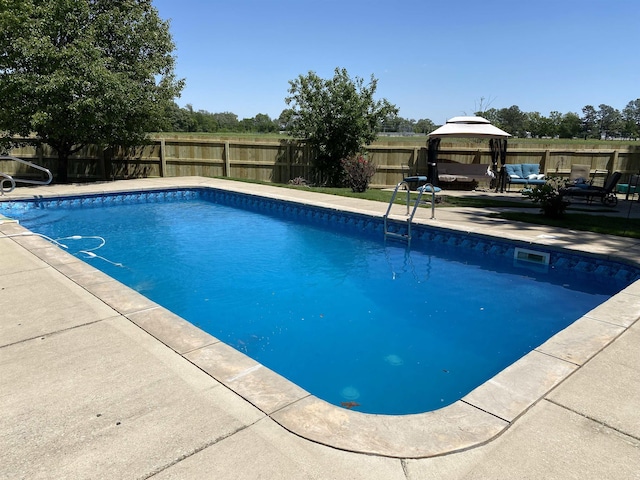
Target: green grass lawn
<point>620,226</point>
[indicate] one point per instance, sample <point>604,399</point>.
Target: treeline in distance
<point>603,122</point>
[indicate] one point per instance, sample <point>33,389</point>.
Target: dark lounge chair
<point>606,193</point>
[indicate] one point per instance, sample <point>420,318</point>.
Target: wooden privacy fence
<point>280,161</point>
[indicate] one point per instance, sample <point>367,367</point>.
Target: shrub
<point>551,201</point>
<point>358,172</point>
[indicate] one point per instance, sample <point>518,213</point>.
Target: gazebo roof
<point>469,127</point>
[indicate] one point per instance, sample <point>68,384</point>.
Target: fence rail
<point>284,160</point>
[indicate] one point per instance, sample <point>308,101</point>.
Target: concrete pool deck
<point>99,382</point>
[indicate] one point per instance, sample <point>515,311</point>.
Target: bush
<point>337,118</point>
<point>358,172</point>
<point>551,201</point>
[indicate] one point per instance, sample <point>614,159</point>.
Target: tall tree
<point>631,116</point>
<point>424,125</point>
<point>609,121</point>
<point>570,125</point>
<point>78,72</point>
<point>262,123</point>
<point>535,124</point>
<point>513,120</point>
<point>338,117</point>
<point>590,122</point>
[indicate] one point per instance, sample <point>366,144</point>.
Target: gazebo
<point>476,127</point>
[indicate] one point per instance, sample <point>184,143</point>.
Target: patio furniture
<point>525,174</point>
<point>579,173</point>
<point>632,188</point>
<point>452,175</point>
<point>462,176</point>
<point>589,192</point>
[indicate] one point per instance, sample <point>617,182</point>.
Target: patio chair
<point>589,192</point>
<point>579,174</point>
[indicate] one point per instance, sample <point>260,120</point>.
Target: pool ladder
<point>410,213</point>
<point>5,177</point>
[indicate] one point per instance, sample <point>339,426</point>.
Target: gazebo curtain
<point>499,152</point>
<point>432,161</point>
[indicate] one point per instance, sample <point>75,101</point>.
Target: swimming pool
<point>405,278</point>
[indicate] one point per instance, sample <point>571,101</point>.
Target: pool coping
<point>480,416</point>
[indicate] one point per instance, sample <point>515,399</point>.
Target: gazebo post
<point>503,160</point>
<point>494,163</point>
<point>432,161</point>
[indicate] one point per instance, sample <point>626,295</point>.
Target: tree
<point>338,117</point>
<point>535,124</point>
<point>570,125</point>
<point>482,105</point>
<point>540,126</point>
<point>513,120</point>
<point>177,119</point>
<point>285,119</point>
<point>80,72</point>
<point>262,123</point>
<point>555,119</point>
<point>492,115</point>
<point>590,122</point>
<point>227,121</point>
<point>631,117</point>
<point>609,120</point>
<point>424,125</point>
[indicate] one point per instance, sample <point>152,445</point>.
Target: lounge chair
<point>589,192</point>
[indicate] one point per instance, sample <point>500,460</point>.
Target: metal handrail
<point>7,177</point>
<point>415,206</point>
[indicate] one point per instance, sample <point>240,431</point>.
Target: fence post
<point>614,162</point>
<point>101,168</point>
<point>289,157</point>
<point>545,161</point>
<point>163,159</point>
<point>227,159</point>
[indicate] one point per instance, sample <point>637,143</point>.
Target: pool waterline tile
<point>450,429</point>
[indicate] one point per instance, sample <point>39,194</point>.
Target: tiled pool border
<point>477,418</point>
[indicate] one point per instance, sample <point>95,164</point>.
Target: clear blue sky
<point>432,59</point>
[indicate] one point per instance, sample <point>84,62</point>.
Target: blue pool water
<point>320,298</point>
